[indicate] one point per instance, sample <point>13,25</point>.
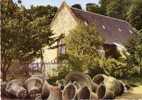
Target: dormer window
<point>61,48</point>
<point>86,23</point>
<point>103,27</point>
<point>131,32</point>
<point>119,29</point>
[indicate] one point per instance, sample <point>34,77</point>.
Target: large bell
<point>15,88</point>
<point>108,87</point>
<point>85,93</point>
<point>50,92</point>
<point>69,92</point>
<point>82,79</point>
<point>34,86</point>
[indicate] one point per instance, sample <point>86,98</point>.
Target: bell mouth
<point>69,92</point>
<point>98,79</point>
<point>101,91</point>
<point>23,94</point>
<point>34,92</point>
<point>84,93</point>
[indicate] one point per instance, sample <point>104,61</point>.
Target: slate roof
<point>111,29</point>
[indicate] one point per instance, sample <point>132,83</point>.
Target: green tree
<point>113,8</point>
<point>22,38</point>
<point>118,8</point>
<point>103,6</point>
<point>135,14</point>
<point>98,8</point>
<point>40,11</point>
<point>92,7</point>
<point>8,9</point>
<point>135,48</point>
<point>83,43</point>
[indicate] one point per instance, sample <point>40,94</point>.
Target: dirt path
<point>134,93</point>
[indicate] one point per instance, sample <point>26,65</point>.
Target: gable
<point>64,21</point>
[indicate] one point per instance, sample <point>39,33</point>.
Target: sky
<point>28,3</point>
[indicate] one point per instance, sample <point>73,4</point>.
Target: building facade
<point>114,31</point>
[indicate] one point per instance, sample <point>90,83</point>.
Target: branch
<point>58,39</point>
<point>56,46</point>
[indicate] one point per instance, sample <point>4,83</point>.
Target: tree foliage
<point>135,14</point>
<point>83,43</point>
<point>113,8</point>
<point>23,36</point>
<point>118,8</point>
<point>135,48</point>
<point>92,7</point>
<point>40,11</point>
<point>8,9</point>
<point>103,6</point>
<point>100,8</point>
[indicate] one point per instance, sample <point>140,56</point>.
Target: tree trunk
<point>43,64</point>
<point>4,70</point>
<point>4,76</point>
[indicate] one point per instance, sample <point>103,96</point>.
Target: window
<point>103,27</point>
<point>119,29</point>
<point>131,32</point>
<point>86,23</point>
<point>61,48</point>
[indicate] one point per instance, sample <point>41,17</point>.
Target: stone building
<point>114,31</point>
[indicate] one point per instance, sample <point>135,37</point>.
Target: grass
<point>133,81</point>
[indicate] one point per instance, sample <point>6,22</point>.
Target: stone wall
<point>62,24</point>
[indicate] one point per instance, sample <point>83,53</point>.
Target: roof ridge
<point>100,15</point>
